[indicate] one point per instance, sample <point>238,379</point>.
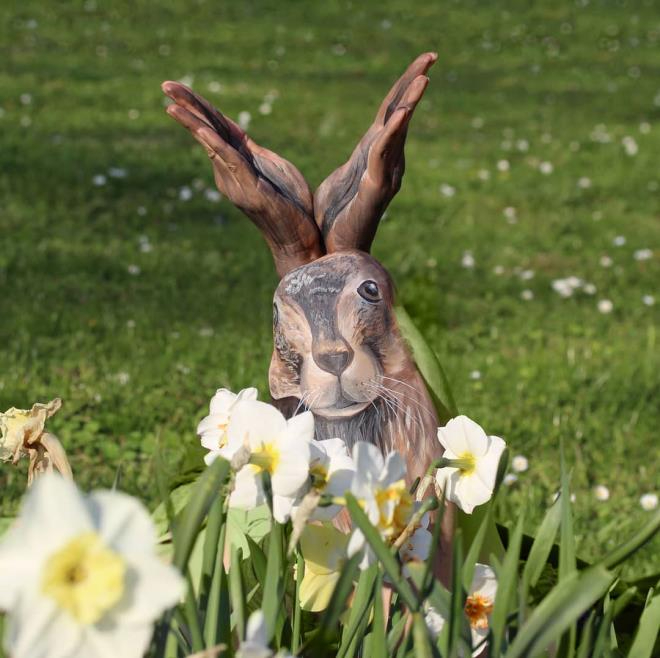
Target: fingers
<point>386,150</point>
<point>215,146</point>
<point>202,109</point>
<point>419,67</point>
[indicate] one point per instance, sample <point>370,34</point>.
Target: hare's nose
<point>335,359</point>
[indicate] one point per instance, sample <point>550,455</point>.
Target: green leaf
<point>421,639</point>
<point>453,634</point>
<point>395,635</point>
<point>545,537</point>
<point>258,560</point>
<point>204,493</point>
<point>561,608</point>
<point>377,647</point>
<point>648,629</point>
<point>297,610</point>
<point>217,629</point>
<point>273,582</point>
<point>506,589</point>
<point>236,591</point>
<point>211,549</point>
<point>362,601</point>
<point>623,552</point>
<point>472,556</point>
<point>567,563</point>
<point>382,551</point>
<point>428,365</point>
<point>586,637</point>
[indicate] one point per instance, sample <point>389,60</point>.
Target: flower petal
<point>316,590</point>
<point>461,434</point>
<point>123,522</point>
<point>248,490</point>
<point>323,547</point>
<point>488,464</point>
<point>255,423</point>
<point>301,427</point>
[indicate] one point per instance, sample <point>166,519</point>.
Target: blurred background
<point>524,240</point>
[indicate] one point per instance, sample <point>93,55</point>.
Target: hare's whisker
<point>409,398</point>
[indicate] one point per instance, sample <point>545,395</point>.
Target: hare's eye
<point>276,315</point>
<point>368,290</point>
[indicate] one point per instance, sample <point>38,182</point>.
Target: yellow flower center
<point>469,462</point>
<point>266,458</point>
<point>84,577</point>
<point>396,507</point>
<point>477,609</point>
<point>319,475</point>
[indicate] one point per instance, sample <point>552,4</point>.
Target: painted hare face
<point>337,347</point>
<point>331,324</point>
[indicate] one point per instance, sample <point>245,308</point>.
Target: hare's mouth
<point>341,408</point>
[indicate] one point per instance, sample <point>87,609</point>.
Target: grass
<point>136,357</point>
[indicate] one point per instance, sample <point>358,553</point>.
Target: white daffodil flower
<point>324,552</point>
<point>212,429</point>
<point>79,576</point>
<point>471,480</point>
<point>255,644</point>
<point>479,604</point>
<point>278,447</point>
<point>332,470</point>
<point>380,487</point>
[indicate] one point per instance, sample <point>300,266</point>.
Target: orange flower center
<point>477,609</point>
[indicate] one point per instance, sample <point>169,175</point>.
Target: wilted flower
<point>546,167</point>
<point>212,429</point>
<point>278,447</point>
<point>435,622</point>
<point>605,306</point>
<point>467,260</point>
<point>23,432</point>
<point>510,479</point>
<point>643,254</point>
<point>81,575</point>
<point>648,300</point>
<point>471,480</point>
<point>324,552</point>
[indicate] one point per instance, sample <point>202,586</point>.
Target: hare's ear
<point>349,203</point>
<point>265,186</point>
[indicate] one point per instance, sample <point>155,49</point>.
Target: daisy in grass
<point>380,487</point>
<point>470,479</point>
<point>79,576</point>
<point>212,430</point>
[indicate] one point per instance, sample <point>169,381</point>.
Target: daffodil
<point>324,552</point>
<point>331,469</point>
<point>255,644</point>
<point>380,487</point>
<point>79,577</point>
<point>278,447</point>
<point>470,479</point>
<point>212,429</point>
<point>23,432</point>
<point>479,604</point>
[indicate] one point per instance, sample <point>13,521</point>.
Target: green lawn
<point>535,150</point>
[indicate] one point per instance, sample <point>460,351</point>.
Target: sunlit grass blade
<point>376,642</point>
<point>217,628</point>
<point>586,638</point>
<point>507,585</point>
<point>359,617</point>
<point>623,552</point>
<point>211,557</point>
<point>451,636</point>
<point>429,366</point>
<point>236,591</point>
<point>421,638</point>
<point>257,559</point>
<point>567,563</point>
<point>543,542</point>
<point>273,583</point>
<point>190,520</point>
<point>648,629</point>
<point>383,553</point>
<point>561,608</point>
<point>472,556</point>
<point>297,610</point>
